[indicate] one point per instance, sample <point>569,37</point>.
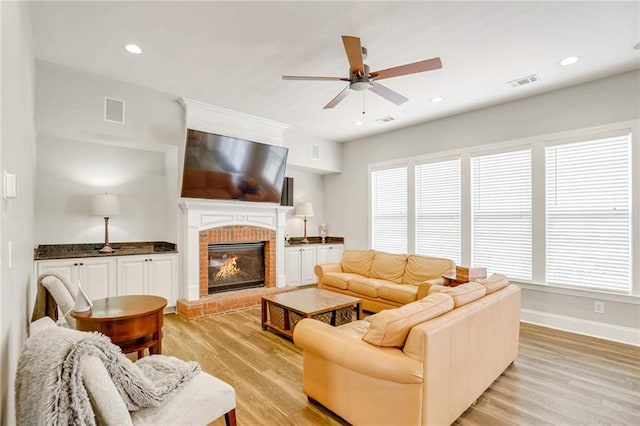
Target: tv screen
<point>222,167</point>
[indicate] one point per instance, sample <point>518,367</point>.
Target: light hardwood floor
<point>559,378</point>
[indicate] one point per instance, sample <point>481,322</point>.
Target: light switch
<point>10,186</point>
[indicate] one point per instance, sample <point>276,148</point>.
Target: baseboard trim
<point>616,333</point>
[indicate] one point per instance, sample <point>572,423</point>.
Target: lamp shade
<point>304,209</point>
<point>105,205</point>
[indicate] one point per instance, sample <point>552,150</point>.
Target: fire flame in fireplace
<point>229,268</point>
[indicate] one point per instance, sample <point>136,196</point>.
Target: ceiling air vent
<point>523,80</point>
<point>386,119</point>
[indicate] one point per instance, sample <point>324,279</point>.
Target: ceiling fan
<point>360,78</point>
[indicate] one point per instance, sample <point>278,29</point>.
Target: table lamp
<point>105,205</point>
<point>305,209</point>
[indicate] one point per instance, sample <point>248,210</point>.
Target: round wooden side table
<point>132,322</point>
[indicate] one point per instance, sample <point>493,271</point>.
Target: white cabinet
<point>96,275</point>
<point>329,253</point>
<point>300,261</point>
<point>102,277</point>
<point>149,274</point>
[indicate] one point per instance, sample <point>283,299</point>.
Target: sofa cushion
<point>398,292</point>
<point>357,261</point>
<point>338,279</point>
<point>494,283</point>
<point>365,286</point>
<point>391,327</point>
<point>422,268</point>
<point>388,267</point>
<point>462,294</point>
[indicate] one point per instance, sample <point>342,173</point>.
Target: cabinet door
<point>66,268</point>
<point>132,275</point>
<point>292,263</point>
<point>162,277</point>
<point>98,278</point>
<point>335,253</point>
<point>322,255</point>
<point>307,263</point>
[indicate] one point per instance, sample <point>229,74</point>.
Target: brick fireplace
<point>209,222</point>
<point>238,234</point>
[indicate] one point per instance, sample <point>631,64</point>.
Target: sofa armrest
<point>351,352</point>
<point>435,281</point>
<point>322,269</point>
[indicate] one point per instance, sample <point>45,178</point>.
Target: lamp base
<point>106,249</point>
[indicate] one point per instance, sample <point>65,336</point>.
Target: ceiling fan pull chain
<point>362,103</point>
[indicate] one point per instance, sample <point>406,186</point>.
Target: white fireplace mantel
<point>200,215</point>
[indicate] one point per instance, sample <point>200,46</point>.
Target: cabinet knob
<point>75,264</point>
<point>150,260</point>
<point>146,260</point>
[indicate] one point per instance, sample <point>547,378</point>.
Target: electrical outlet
<point>598,307</point>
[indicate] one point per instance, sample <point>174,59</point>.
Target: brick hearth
<point>232,300</point>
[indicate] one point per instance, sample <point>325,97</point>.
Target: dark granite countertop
<point>71,251</point>
<point>297,241</point>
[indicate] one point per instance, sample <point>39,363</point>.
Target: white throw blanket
<point>49,385</point>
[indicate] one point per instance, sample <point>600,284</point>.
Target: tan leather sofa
<point>421,364</point>
<point>383,280</point>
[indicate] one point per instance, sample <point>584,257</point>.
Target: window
<point>501,216</point>
<point>389,209</point>
<point>588,230</point>
<point>438,217</point>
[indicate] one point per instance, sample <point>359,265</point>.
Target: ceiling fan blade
<point>335,101</point>
<point>301,77</point>
<point>388,94</point>
<point>353,48</point>
<point>427,65</point>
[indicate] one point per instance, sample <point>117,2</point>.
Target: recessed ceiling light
<point>358,123</point>
<point>133,48</point>
<point>569,61</point>
<point>437,99</point>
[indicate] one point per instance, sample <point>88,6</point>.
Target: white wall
<point>300,147</point>
<point>80,155</point>
<point>600,102</point>
<point>307,186</point>
<point>69,114</point>
<point>17,155</point>
<point>597,103</point>
<point>70,173</point>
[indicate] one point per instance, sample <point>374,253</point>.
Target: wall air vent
<point>386,119</point>
<point>523,80</point>
<point>114,110</point>
<point>315,152</point>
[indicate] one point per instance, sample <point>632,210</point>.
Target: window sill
<point>579,292</point>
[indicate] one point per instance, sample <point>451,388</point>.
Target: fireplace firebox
<point>234,266</point>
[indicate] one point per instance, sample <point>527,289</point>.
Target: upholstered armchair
<point>201,401</point>
<point>63,293</point>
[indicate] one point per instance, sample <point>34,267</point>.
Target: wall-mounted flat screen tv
<point>222,167</point>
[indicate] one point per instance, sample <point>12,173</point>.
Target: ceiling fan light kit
<point>361,78</point>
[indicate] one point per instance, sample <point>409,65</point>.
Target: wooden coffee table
<point>285,310</point>
<point>132,322</point>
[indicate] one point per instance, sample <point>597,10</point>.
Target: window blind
<point>588,232</point>
<point>438,205</point>
<point>501,217</point>
<point>389,210</point>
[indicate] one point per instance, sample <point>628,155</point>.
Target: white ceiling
<point>233,54</point>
